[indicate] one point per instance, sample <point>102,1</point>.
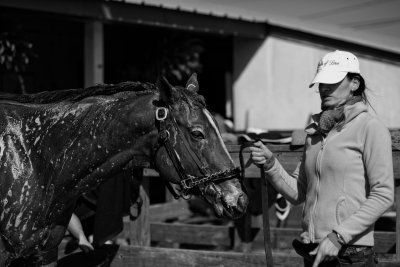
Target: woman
<point>345,178</point>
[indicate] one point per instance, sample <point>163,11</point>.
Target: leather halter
<point>187,181</point>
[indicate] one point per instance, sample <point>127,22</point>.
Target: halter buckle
<point>161,113</point>
<point>187,183</point>
<point>164,135</point>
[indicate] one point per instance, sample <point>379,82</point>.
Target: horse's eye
<point>197,134</point>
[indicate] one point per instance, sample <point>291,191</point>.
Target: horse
<point>57,145</point>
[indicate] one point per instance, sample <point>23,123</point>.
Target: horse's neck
<point>128,123</point>
<point>91,130</point>
<point>125,133</point>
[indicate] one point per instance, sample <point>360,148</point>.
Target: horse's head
<point>191,154</point>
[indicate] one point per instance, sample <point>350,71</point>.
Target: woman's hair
<point>361,88</point>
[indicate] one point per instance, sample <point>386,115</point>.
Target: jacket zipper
<point>318,173</point>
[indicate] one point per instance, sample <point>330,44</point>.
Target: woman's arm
<point>292,187</point>
<point>75,228</point>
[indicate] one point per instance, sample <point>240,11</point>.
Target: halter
<point>187,181</point>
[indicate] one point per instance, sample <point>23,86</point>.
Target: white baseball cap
<point>334,66</point>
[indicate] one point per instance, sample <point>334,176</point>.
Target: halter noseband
<point>187,181</point>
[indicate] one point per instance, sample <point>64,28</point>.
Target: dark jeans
<point>350,256</point>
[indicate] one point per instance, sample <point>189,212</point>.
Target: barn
<point>254,61</point>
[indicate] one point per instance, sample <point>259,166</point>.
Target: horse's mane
<point>74,95</point>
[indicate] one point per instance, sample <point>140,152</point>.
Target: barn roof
<point>374,23</point>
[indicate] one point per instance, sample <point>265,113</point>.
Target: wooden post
<point>265,215</point>
<point>397,199</point>
<point>93,53</point>
<point>139,229</point>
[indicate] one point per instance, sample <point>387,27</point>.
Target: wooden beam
<point>288,156</point>
<point>94,55</point>
<point>212,235</point>
<point>151,256</point>
<point>170,210</point>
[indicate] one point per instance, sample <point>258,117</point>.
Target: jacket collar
<point>350,112</point>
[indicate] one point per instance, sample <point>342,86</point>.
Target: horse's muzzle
<point>227,198</point>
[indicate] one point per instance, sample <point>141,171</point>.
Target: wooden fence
<point>153,242</point>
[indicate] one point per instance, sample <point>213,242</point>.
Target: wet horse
<point>55,146</point>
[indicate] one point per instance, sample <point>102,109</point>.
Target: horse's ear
<point>166,89</point>
<point>192,84</point>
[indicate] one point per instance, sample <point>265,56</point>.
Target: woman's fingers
<point>314,252</point>
<point>258,144</point>
<point>258,159</point>
<point>258,154</point>
<point>255,149</point>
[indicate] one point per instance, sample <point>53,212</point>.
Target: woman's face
<point>332,95</point>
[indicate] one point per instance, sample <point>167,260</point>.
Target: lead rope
<point>264,199</point>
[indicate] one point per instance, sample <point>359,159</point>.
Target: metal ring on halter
<point>161,113</point>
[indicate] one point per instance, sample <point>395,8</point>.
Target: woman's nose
<point>323,89</point>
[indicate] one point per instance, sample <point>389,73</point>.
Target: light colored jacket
<point>345,179</point>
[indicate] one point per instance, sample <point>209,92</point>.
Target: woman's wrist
<point>269,163</point>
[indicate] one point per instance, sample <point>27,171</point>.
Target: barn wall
<point>271,79</point>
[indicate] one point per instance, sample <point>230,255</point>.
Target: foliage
<point>15,55</point>
<point>182,58</point>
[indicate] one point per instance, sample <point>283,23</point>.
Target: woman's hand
<point>326,250</point>
<point>260,153</point>
<point>84,244</point>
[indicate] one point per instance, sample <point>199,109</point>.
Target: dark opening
<point>56,54</point>
<point>140,53</point>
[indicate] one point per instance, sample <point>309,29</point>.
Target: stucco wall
<point>271,79</point>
